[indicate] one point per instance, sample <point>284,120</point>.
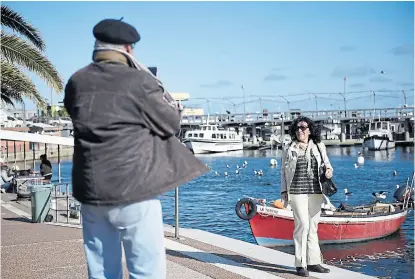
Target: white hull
<point>203,147</point>
<point>373,143</point>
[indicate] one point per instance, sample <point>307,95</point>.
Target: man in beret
<point>125,155</point>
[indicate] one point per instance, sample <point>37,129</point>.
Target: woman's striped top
<point>302,184</point>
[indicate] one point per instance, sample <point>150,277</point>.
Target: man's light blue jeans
<point>138,227</point>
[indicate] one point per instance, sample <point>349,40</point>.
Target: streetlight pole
<point>316,102</point>
<point>243,90</point>
<point>234,105</point>
<point>207,100</point>
<point>344,99</point>
<point>344,86</point>
<point>51,103</point>
<point>288,102</point>
<point>24,113</point>
<point>260,101</point>
<point>404,98</point>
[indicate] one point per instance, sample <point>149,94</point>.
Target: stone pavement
<point>49,251</point>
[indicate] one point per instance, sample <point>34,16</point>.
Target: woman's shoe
<point>317,268</point>
<point>301,271</point>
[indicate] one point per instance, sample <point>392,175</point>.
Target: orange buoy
<point>279,204</point>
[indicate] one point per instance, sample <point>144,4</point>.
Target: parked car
<point>61,121</point>
<point>8,121</point>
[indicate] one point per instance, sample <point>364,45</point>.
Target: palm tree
<point>17,54</point>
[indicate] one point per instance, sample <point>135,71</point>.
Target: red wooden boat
<point>273,226</point>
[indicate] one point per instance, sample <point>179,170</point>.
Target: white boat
<point>379,136</point>
<point>212,139</point>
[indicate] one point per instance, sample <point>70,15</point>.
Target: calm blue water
<point>208,203</point>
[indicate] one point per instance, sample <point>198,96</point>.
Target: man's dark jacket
<point>125,149</point>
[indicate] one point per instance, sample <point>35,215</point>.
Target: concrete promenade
<point>54,251</point>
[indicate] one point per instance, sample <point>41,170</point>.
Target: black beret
<point>116,32</point>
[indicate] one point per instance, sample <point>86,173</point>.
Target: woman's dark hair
<point>315,133</point>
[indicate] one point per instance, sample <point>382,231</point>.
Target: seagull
<point>217,174</point>
<point>227,166</point>
<point>237,171</point>
<point>355,166</point>
<point>246,163</point>
<point>360,158</point>
<point>380,195</point>
<point>255,172</point>
<point>347,193</point>
<point>225,173</point>
<point>237,166</point>
<point>395,173</point>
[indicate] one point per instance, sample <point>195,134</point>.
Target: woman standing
<point>301,188</point>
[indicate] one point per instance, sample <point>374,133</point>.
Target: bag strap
<point>321,155</point>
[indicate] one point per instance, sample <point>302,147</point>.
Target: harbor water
<point>208,203</point>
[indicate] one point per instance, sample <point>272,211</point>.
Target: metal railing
<point>77,207</point>
<point>350,114</point>
<point>67,197</point>
<point>275,116</point>
<point>176,211</point>
<point>58,195</point>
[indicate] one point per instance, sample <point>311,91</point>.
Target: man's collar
<point>108,56</point>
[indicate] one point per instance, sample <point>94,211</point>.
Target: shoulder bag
<point>328,186</point>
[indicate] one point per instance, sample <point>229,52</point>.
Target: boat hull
<point>378,143</point>
<point>203,147</point>
<point>277,228</point>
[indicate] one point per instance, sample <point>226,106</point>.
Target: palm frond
<point>6,99</point>
<point>11,94</point>
<point>16,85</point>
<point>13,77</point>
<point>17,23</point>
<point>16,50</point>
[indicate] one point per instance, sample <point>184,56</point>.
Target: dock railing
<point>63,207</point>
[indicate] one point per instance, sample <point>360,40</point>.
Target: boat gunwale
<point>377,137</point>
<point>344,219</point>
<point>212,140</point>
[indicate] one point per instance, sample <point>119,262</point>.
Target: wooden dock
<point>54,251</point>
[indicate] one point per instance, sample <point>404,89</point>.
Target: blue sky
<point>210,49</point>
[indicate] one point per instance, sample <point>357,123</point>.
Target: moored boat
<point>212,139</point>
<point>379,136</point>
<point>273,226</point>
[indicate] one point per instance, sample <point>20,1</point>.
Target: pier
<point>54,249</point>
<point>400,114</point>
<point>231,91</point>
<point>339,127</point>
